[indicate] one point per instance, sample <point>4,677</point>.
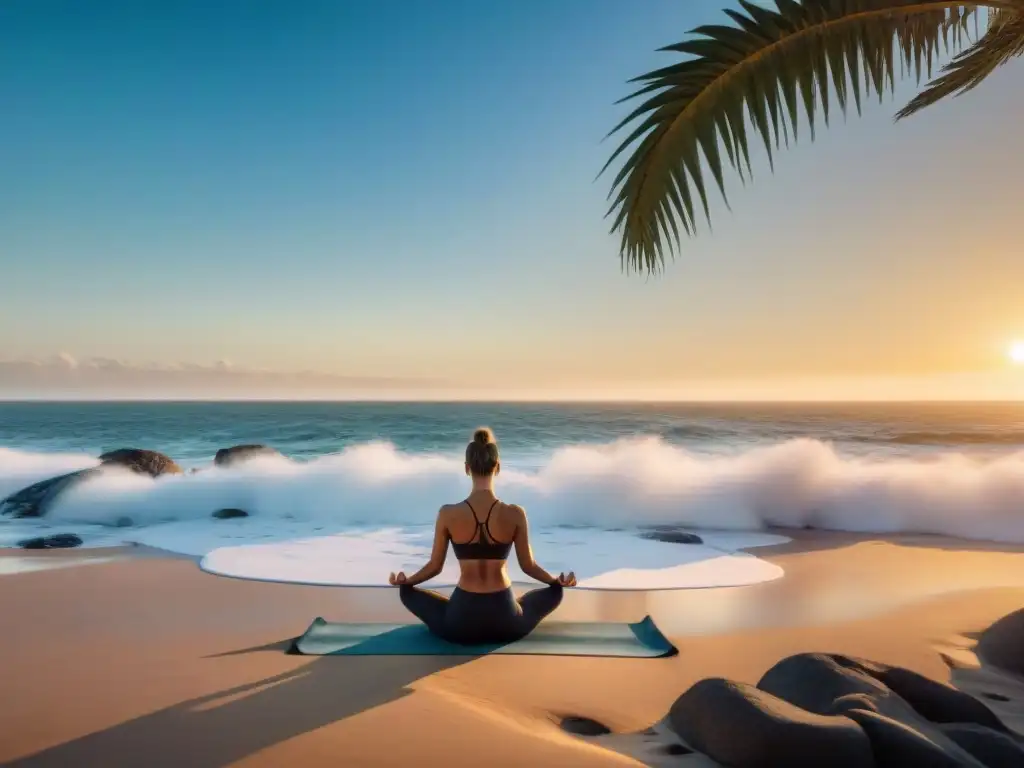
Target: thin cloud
<point>64,375</point>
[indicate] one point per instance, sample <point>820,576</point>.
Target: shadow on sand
<point>222,728</point>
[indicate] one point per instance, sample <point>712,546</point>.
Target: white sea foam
<point>623,484</point>
<point>602,560</point>
<point>19,468</point>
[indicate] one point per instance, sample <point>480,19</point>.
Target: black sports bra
<point>486,547</point>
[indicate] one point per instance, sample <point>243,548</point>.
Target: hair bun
<point>484,436</point>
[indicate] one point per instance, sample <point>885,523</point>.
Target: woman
<point>482,530</point>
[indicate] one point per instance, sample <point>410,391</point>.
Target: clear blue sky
<point>406,189</point>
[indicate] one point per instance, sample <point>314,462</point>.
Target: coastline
<point>144,657</point>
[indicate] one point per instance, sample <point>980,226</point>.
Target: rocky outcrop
<point>236,454</point>
<point>736,724</point>
<point>826,709</point>
<point>228,514</point>
<point>36,499</point>
<point>141,461</point>
<point>57,541</point>
<point>673,536</point>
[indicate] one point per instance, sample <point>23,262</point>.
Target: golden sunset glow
<point>1016,353</point>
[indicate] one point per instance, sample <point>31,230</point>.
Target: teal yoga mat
<point>553,638</point>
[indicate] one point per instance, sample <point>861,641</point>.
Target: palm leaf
<point>759,74</point>
<point>1003,41</point>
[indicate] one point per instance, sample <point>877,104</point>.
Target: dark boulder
<point>673,537</point>
<point>237,454</point>
<point>57,541</point>
<point>815,681</point>
<point>897,744</point>
<point>934,701</point>
<point>1001,645</point>
<point>141,461</point>
<point>738,725</point>
<point>228,514</point>
<point>35,500</point>
<point>995,750</point>
<point>805,706</point>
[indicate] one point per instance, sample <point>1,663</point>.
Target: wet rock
<point>57,541</point>
<point>228,514</point>
<point>237,454</point>
<point>141,461</point>
<point>673,537</point>
<point>36,499</point>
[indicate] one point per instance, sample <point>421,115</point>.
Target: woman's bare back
<point>502,523</point>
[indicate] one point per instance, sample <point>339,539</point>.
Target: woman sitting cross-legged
<point>482,530</point>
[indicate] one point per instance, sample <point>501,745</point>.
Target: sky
<point>400,199</point>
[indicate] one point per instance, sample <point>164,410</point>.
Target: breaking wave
<point>624,484</point>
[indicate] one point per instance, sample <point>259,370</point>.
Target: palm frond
<point>1003,41</point>
<point>756,75</point>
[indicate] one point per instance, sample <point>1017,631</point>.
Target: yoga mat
<point>552,638</point>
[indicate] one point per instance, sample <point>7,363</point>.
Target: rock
<point>897,745</point>
<point>738,725</point>
<point>1002,644</point>
<point>934,701</point>
<point>143,462</point>
<point>899,710</point>
<point>995,750</point>
<point>124,522</point>
<point>829,709</point>
<point>237,454</point>
<point>815,681</point>
<point>36,499</point>
<point>57,541</point>
<point>899,735</point>
<point>227,514</point>
<point>673,537</point>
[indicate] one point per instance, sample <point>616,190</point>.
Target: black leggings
<point>474,618</point>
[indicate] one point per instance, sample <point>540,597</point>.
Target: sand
<point>146,661</point>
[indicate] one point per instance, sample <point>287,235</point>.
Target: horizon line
<point>523,400</point>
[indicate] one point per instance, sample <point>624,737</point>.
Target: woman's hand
<point>398,579</point>
<point>564,580</point>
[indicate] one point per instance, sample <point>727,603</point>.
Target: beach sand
<point>140,659</point>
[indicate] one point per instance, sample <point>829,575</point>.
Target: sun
<point>1016,352</point>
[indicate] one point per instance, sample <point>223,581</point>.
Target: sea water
<point>359,479</point>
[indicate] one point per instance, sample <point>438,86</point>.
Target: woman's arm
<point>437,556</point>
<point>524,553</point>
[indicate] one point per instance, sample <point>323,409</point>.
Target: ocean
<point>954,469</point>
